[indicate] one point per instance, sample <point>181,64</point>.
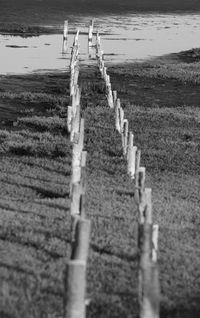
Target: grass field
<point>161,101</point>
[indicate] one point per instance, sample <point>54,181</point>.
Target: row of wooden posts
<point>75,276</point>
<point>66,32</point>
<point>149,291</point>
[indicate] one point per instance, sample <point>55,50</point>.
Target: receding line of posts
<point>75,272</point>
<point>148,276</point>
<point>148,284</point>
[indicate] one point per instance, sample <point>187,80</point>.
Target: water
<point>126,38</point>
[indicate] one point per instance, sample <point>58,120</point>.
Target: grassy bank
<point>26,29</point>
<point>35,156</point>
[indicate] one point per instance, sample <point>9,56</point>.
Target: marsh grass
<point>25,29</point>
<point>34,199</point>
<point>35,156</point>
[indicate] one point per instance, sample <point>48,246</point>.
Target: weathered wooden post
<point>69,118</point>
<point>148,270</point>
<point>105,73</point>
<point>76,38</point>
<point>125,137</point>
<point>114,98</point>
<point>101,68</point>
<point>75,99</point>
<point>75,288</point>
<point>109,92</point>
<point>75,123</point>
<point>90,32</point>
<point>117,116</point>
<point>97,44</point>
<point>121,119</point>
<point>75,199</point>
<point>81,242</point>
<point>76,74</point>
<point>102,54</point>
<point>130,143</point>
<point>131,161</point>
<point>145,247</point>
<point>65,34</point>
<point>83,183</point>
<point>140,197</point>
<point>65,30</point>
<point>137,168</point>
<point>99,59</point>
<point>78,145</point>
<point>155,242</point>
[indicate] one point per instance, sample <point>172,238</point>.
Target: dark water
<point>55,11</point>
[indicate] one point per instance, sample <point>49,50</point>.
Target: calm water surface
<point>125,38</point>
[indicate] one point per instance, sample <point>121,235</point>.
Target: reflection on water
<point>124,38</point>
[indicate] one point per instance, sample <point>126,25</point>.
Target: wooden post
<point>114,98</point>
<point>137,162</point>
<point>121,119</point>
<point>131,161</point>
<point>76,174</point>
<point>75,123</point>
<point>144,283</point>
<point>65,34</point>
<point>130,143</point>
<point>76,38</point>
<point>81,243</point>
<point>137,168</point>
<point>78,147</point>
<point>148,206</point>
<point>90,31</point>
<point>76,74</point>
<point>149,292</point>
<point>117,115</point>
<point>64,47</point>
<point>83,159</point>
<point>81,135</point>
<point>141,193</point>
<point>155,242</point>
<point>101,68</point>
<point>65,31</point>
<point>74,53</point>
<point>76,98</point>
<point>72,81</point>
<point>105,73</point>
<point>98,44</point>
<point>75,199</point>
<point>83,183</point>
<point>107,79</point>
<point>75,288</point>
<point>69,118</point>
<point>109,96</point>
<point>125,136</point>
<point>145,247</point>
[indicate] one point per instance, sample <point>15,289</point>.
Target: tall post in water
<point>90,32</point>
<point>65,35</point>
<point>65,31</point>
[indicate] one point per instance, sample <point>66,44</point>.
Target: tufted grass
<point>35,168</point>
